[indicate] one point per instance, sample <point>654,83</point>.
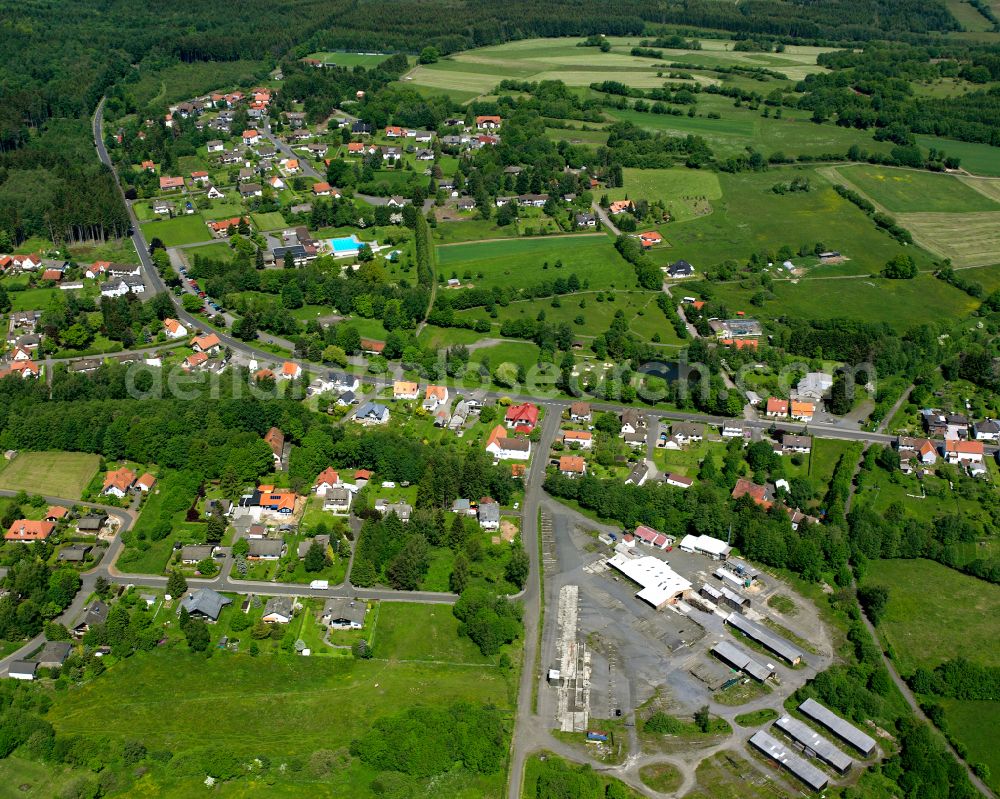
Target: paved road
<point>527,722</point>
<point>605,219</point>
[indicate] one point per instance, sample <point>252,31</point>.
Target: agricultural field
<point>961,619</point>
<point>687,193</point>
<point>56,474</point>
<point>907,190</point>
<point>750,218</point>
<point>476,72</point>
<point>521,262</point>
<point>179,230</point>
<point>968,239</point>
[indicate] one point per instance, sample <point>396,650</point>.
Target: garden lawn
<point>269,221</point>
<point>411,631</point>
<point>218,251</point>
<point>936,613</point>
<point>910,190</point>
<point>186,229</point>
<point>520,262</point>
<point>33,299</point>
<point>57,474</point>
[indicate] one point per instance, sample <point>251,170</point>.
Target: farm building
<point>814,742</point>
<point>738,659</point>
<point>763,636</point>
<point>835,724</point>
<point>798,766</point>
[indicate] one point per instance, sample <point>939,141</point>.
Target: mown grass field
<point>179,230</point>
<point>936,613</point>
<point>908,190</point>
<point>902,303</point>
<point>282,706</point>
<point>269,221</point>
<point>366,60</point>
<point>685,192</point>
<point>219,251</point>
<point>56,474</point>
<point>980,159</point>
<point>750,218</point>
<point>968,239</point>
<point>521,262</point>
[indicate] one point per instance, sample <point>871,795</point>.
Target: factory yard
<point>611,661</point>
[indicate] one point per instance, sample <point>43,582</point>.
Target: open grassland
<point>519,353</point>
<point>687,193</point>
<point>936,613</point>
<point>823,459</point>
<point>272,220</point>
<point>179,230</point>
<point>411,631</point>
<point>366,60</point>
<point>751,218</point>
<point>472,229</point>
<point>116,250</point>
<point>55,474</point>
<point>901,303</point>
<point>592,138</point>
<point>987,276</point>
<point>968,239</point>
<point>977,725</point>
<point>980,159</point>
<point>521,262</point>
<point>968,16</point>
<point>20,778</point>
<point>282,706</point>
<point>908,190</point>
<point>182,81</point>
<point>985,186</point>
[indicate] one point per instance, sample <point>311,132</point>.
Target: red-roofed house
<point>362,474</point>
<point>221,227</point>
<point>195,360</point>
<point>52,274</point>
<point>290,371</point>
<point>250,136</point>
<point>504,448</point>
<point>25,369</point>
<point>145,483</point>
<point>650,238</point>
<point>167,183</point>
<point>200,176</point>
<point>776,407</point>
<point>25,531</point>
<point>174,329</point>
<point>118,482</point>
<point>208,343</point>
<point>321,189</point>
<point>618,206</point>
<point>964,452</point>
<point>488,122</point>
<point>525,414</point>
<point>371,347</point>
<point>275,439</point>
<point>327,479</point>
<point>148,166</point>
<point>394,132</point>
<point>802,411</point>
<point>758,493</point>
<point>55,513</point>
<point>263,374</point>
<point>572,465</point>
<point>577,438</point>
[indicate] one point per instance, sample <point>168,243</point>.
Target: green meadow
<point>179,230</point>
<point>909,190</point>
<point>522,262</point>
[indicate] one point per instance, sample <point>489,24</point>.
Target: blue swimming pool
<point>345,245</point>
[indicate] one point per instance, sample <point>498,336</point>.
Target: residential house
<point>964,453</point>
<point>171,183</point>
<point>74,553</point>
<point>205,604</point>
<point>651,238</point>
<point>322,189</point>
<point>687,432</point>
<point>95,613</point>
<point>489,515</point>
<point>738,328</point>
<point>123,286</point>
<point>174,329</point>
<point>733,429</point>
<point>802,411</point>
<point>678,480</point>
<point>522,418</point>
<point>195,361</point>
<point>341,613</point>
<point>580,412</point>
<point>633,422</point>
<point>577,439</point>
<point>53,654</point>
<point>814,386</point>
<point>372,347</point>
<point>195,553</point>
<point>338,500</point>
<point>680,269</point>
<point>326,480</point>
<point>250,190</point>
<point>402,509</point>
<point>25,531</point>
<point>208,343</point>
<point>305,545</point>
<point>435,396</point>
<point>503,448</point>
<point>916,449</point>
<point>463,507</point>
<point>24,670</point>
<point>638,475</point>
<point>250,137</point>
<point>145,483</point>
<point>761,495</point>
<point>56,513</point>
<point>586,220</point>
<point>488,122</point>
<point>222,228</point>
<point>801,444</point>
<point>290,371</point>
<point>987,430</point>
<point>776,408</point>
<point>118,483</point>
<point>265,549</point>
<point>620,206</point>
<point>215,146</point>
<point>163,207</point>
<point>276,183</point>
<point>395,201</point>
<point>459,415</point>
<point>90,524</point>
<point>372,413</point>
<point>572,466</point>
<point>405,390</point>
<point>275,439</point>
<point>278,610</point>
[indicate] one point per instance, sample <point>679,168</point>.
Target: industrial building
<point>738,659</point>
<point>799,766</point>
<point>763,636</point>
<point>661,585</point>
<point>706,545</point>
<point>814,743</point>
<point>842,729</point>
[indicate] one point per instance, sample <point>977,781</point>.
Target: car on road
<point>202,294</point>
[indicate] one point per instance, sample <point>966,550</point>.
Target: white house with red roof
<point>251,136</point>
<point>174,329</point>
<point>327,479</point>
<point>208,343</point>
<point>957,451</point>
<point>522,416</point>
<point>290,371</point>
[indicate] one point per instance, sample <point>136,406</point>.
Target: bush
<point>662,724</point>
